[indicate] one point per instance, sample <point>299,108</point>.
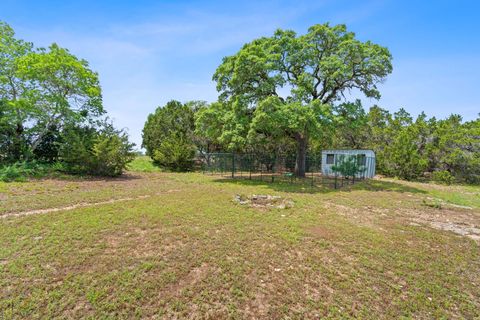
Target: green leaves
<point>168,135</point>
<point>319,65</point>
<point>50,109</point>
<point>100,151</point>
<point>288,119</point>
<point>42,89</point>
<point>65,85</point>
<point>349,166</point>
<point>282,87</point>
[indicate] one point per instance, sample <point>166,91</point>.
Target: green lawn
<point>176,245</point>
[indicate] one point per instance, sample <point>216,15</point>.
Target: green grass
<point>142,164</point>
<point>463,195</point>
<point>22,171</point>
<point>189,251</point>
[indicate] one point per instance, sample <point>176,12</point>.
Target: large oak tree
<point>288,83</point>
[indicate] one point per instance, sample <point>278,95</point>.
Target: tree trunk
<point>301,155</point>
<point>18,141</point>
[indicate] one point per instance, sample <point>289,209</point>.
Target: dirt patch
<point>464,230</point>
<point>463,221</point>
<point>321,232</point>
<point>140,243</point>
<point>366,216</point>
<point>194,276</point>
<point>80,205</point>
<point>263,201</point>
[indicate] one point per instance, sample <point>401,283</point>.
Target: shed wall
<point>370,161</point>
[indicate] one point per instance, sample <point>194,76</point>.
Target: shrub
<point>443,176</point>
<point>104,152</point>
<point>168,136</point>
<point>111,153</point>
<point>175,154</point>
<point>348,166</point>
<point>13,172</point>
<point>21,171</point>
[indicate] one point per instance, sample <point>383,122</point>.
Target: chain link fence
<point>281,168</point>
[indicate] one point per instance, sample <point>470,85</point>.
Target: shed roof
<point>348,151</point>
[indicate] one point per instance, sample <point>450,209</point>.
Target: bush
<point>348,166</point>
<point>104,152</point>
<point>111,153</point>
<point>175,154</point>
<point>443,176</point>
<point>168,136</point>
<point>13,172</point>
<point>21,171</point>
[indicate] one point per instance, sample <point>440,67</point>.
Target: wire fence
<point>344,170</point>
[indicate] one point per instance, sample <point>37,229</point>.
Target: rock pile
<point>263,201</point>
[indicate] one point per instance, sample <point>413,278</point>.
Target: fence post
<point>273,167</point>
<point>335,180</point>
<point>250,167</point>
<point>233,165</point>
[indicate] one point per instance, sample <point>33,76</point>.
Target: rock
<point>264,201</point>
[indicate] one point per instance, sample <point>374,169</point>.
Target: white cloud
<point>145,63</point>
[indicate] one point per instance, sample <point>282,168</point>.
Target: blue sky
<point>149,52</point>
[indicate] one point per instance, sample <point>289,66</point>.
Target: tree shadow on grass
<point>127,176</point>
<point>306,186</point>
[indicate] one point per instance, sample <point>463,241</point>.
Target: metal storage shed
<point>365,158</point>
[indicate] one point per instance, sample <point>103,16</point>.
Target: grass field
<point>170,245</point>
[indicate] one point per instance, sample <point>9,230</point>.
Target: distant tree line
<point>442,149</point>
<point>312,71</point>
<point>51,111</point>
<point>445,150</point>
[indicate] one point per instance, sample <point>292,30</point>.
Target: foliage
<point>443,176</point>
<point>15,106</point>
<point>350,124</point>
<point>317,67</point>
<point>348,166</point>
<point>175,153</point>
<point>51,109</point>
<point>407,148</point>
<point>168,136</point>
<point>41,91</point>
<point>65,91</point>
<point>111,153</point>
<point>404,159</point>
<point>21,171</point>
<point>104,152</point>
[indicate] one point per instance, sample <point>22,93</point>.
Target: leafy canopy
<point>319,65</point>
<point>168,135</point>
<point>284,86</point>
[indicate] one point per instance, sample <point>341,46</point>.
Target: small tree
<point>349,166</point>
<point>168,136</point>
<point>175,153</point>
<point>102,152</point>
